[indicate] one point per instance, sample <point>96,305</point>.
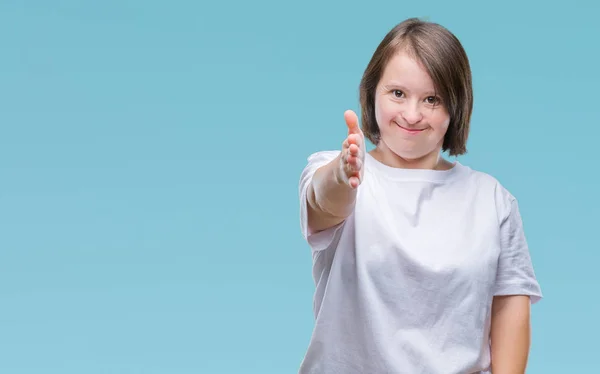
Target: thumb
<point>352,122</point>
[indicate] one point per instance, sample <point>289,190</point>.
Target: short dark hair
<point>446,61</point>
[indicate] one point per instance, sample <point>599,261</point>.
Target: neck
<point>431,161</point>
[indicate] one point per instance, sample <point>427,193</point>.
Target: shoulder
<point>491,186</point>
<point>322,156</point>
<point>313,162</point>
<point>316,160</point>
<point>480,177</point>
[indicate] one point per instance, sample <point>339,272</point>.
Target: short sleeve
<point>515,275</point>
<point>323,239</point>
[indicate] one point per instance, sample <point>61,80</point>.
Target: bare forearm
<point>510,334</point>
<point>329,194</point>
<point>332,191</point>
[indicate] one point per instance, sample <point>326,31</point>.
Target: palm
<point>353,152</point>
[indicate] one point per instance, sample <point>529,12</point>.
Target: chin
<point>410,153</point>
<point>410,156</point>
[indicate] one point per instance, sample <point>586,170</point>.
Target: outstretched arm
<point>332,192</point>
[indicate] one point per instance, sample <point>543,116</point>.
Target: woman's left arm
<point>510,334</point>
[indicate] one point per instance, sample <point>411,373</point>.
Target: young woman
<point>421,264</point>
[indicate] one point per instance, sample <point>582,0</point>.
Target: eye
<point>433,100</point>
<point>397,93</point>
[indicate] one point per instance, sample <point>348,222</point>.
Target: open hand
<point>353,152</point>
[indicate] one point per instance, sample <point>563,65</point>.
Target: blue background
<point>150,154</point>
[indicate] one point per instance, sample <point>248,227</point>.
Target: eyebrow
<point>395,85</point>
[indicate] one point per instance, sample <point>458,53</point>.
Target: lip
<point>410,131</point>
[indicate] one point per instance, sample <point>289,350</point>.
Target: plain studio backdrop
<point>150,154</point>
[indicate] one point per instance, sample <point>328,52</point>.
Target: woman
<point>421,264</point>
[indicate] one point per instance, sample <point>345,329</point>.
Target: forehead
<point>405,70</point>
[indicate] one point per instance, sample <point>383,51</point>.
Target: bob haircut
<point>443,57</point>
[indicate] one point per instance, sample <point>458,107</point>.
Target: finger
<point>355,139</point>
<point>354,164</point>
<point>345,144</point>
<point>354,182</point>
<point>351,161</point>
<point>353,149</point>
<point>351,122</point>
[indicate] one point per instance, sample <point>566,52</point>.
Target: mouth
<point>409,130</point>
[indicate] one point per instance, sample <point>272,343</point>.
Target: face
<point>412,120</point>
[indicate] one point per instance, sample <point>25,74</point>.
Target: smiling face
<point>412,119</point>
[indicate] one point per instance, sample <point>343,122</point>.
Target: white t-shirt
<point>405,284</point>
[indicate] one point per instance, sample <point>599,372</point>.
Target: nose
<point>412,114</point>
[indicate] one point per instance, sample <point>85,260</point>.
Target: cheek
<point>440,121</point>
<point>383,112</point>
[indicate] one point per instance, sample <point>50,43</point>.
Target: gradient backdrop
<point>150,154</point>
